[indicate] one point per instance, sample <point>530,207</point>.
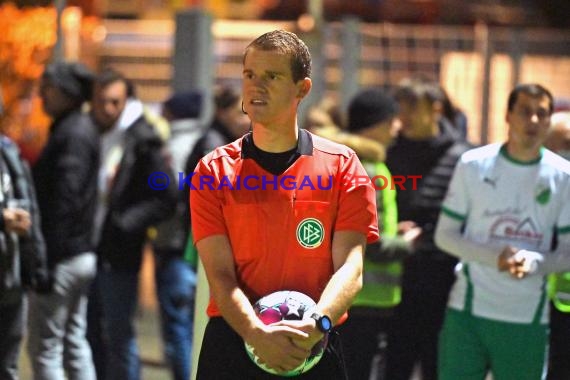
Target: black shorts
<point>223,357</point>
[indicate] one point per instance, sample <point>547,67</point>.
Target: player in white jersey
<point>504,205</point>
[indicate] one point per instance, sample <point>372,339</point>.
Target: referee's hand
<point>273,345</point>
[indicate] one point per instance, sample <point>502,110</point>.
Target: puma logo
<point>490,181</point>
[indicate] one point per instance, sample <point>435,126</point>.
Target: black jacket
<point>434,160</point>
<point>65,176</point>
<point>25,266</point>
<point>133,204</point>
<point>215,136</point>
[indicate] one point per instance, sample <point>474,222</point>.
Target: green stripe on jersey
<point>513,160</point>
<point>453,214</point>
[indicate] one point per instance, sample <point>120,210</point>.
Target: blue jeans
<point>119,295</point>
<point>57,345</point>
<point>175,288</point>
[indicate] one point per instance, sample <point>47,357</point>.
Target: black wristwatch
<point>324,323</point>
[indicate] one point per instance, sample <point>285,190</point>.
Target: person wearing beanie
<point>183,105</point>
<point>371,107</point>
<point>66,178</point>
<point>175,277</point>
<point>372,114</point>
<point>73,79</point>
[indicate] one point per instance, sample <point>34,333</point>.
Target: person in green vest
<point>372,115</point>
<point>558,141</point>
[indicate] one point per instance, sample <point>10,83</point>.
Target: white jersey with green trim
<point>507,202</point>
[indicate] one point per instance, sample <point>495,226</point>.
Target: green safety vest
<point>559,290</point>
<point>381,281</point>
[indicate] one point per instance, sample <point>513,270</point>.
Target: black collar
<point>304,145</point>
<point>277,163</point>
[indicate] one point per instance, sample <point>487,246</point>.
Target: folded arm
<point>449,238</point>
<point>342,288</point>
<point>272,343</point>
<point>517,261</point>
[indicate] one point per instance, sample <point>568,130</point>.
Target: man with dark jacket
<point>22,252</point>
<point>428,146</point>
<point>65,175</point>
<point>129,203</point>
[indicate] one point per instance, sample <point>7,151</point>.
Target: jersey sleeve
<point>357,201</point>
<point>456,202</point>
<point>205,204</point>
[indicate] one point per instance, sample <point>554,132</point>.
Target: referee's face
<point>270,95</point>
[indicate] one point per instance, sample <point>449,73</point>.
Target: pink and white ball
<point>287,305</point>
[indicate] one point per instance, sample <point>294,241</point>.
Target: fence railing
<point>477,65</point>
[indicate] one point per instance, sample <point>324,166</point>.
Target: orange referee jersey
<point>280,227</point>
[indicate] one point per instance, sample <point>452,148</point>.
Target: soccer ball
<point>287,305</point>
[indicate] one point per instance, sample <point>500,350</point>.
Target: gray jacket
<point>172,234</point>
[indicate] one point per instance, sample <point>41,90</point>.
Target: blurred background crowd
<point>180,62</point>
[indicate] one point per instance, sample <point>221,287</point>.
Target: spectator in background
<point>66,174</point>
<point>175,277</point>
<point>325,113</point>
<point>558,140</point>
<point>506,202</point>
<point>318,117</point>
<point>456,116</point>
<point>325,119</point>
<point>22,251</point>
<point>427,146</point>
<point>108,103</point>
<point>372,114</point>
<point>131,150</point>
<point>230,123</point>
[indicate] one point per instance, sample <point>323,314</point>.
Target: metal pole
<point>314,42</point>
<point>58,49</point>
<point>485,47</point>
<point>517,49</point>
<point>350,59</point>
<point>315,8</point>
<point>314,38</point>
<point>193,56</point>
<point>193,59</point>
